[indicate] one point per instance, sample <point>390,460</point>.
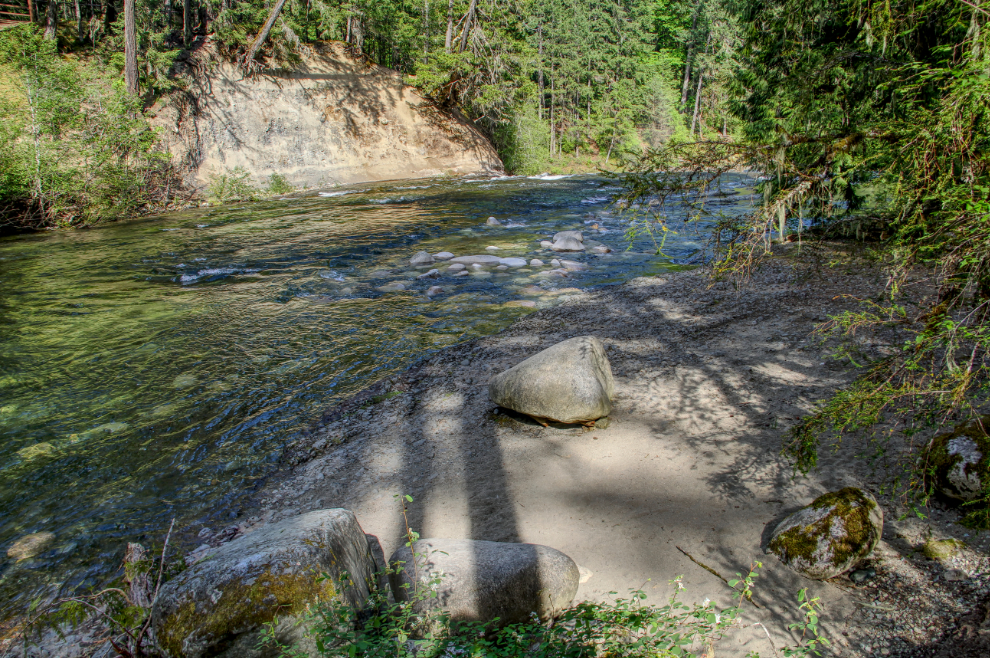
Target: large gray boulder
<point>570,382</point>
<point>831,535</point>
<point>218,606</point>
<point>485,580</point>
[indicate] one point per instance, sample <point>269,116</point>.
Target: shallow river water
<point>155,369</point>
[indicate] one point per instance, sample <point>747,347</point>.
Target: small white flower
<point>705,603</point>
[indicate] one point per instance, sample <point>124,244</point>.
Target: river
<point>155,369</point>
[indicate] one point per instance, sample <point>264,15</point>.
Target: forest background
<point>556,85</point>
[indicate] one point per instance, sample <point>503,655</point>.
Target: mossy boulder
<point>941,549</point>
<point>957,463</point>
<point>218,606</point>
<point>831,535</point>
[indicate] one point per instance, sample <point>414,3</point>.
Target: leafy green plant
<point>230,185</point>
<point>277,184</point>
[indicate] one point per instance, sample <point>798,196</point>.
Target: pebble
<point>536,262</point>
<point>491,248</point>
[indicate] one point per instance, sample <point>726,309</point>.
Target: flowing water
<point>155,369</point>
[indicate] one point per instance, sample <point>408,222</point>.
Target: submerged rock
<point>513,262</point>
<point>957,463</point>
<point>456,267</point>
<point>831,535</point>
<point>493,222</point>
<point>536,262</point>
<point>443,255</point>
<point>484,580</point>
<point>421,258</point>
<point>570,382</point>
<point>434,291</point>
<point>480,259</point>
<point>219,606</point>
<point>29,546</point>
<point>432,274</point>
<point>392,287</point>
<point>573,265</point>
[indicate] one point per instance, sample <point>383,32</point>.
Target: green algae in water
<point>151,354</point>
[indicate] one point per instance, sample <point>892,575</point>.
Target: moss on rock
<point>957,464</point>
<point>829,536</point>
<point>941,549</point>
<point>241,605</point>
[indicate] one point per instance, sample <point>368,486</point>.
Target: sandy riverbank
<point>708,380</point>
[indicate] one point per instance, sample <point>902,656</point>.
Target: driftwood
<point>263,35</point>
<point>136,575</point>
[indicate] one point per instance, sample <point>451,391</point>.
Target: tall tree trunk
<point>449,39</point>
<point>31,11</point>
<point>130,48</point>
<point>426,31</point>
<point>539,71</point>
<point>79,22</point>
<point>687,59</point>
<point>467,25</point>
<point>186,22</point>
<point>109,16</point>
<point>265,29</point>
<point>347,37</point>
<point>51,19</point>
<point>553,117</point>
<point>697,100</point>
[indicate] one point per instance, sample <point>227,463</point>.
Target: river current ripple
<point>155,369</point>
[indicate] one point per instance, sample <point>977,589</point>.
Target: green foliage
<point>277,184</point>
<point>230,185</point>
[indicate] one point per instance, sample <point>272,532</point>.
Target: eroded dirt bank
<point>708,381</point>
<point>334,118</point>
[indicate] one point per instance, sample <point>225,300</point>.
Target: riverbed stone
<point>567,244</point>
<point>421,258</point>
<point>480,581</point>
<point>434,291</point>
<point>546,244</point>
<point>573,265</point>
<point>513,262</point>
<point>218,606</point>
<point>957,462</point>
<point>568,235</point>
<point>536,262</point>
<point>456,267</point>
<point>31,545</point>
<point>491,221</point>
<point>392,287</point>
<point>432,274</point>
<point>478,259</point>
<point>443,255</point>
<point>831,535</point>
<point>570,382</point>
<point>491,247</point>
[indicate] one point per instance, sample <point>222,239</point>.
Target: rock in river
<point>829,536</point>
<point>493,222</point>
<point>443,255</point>
<point>482,580</point>
<point>30,545</point>
<point>567,244</point>
<point>480,259</point>
<point>513,262</point>
<point>570,382</point>
<point>421,258</point>
<point>218,606</point>
<point>568,235</point>
<point>432,274</point>
<point>957,463</point>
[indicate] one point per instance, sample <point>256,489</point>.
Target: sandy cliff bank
<point>334,118</point>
